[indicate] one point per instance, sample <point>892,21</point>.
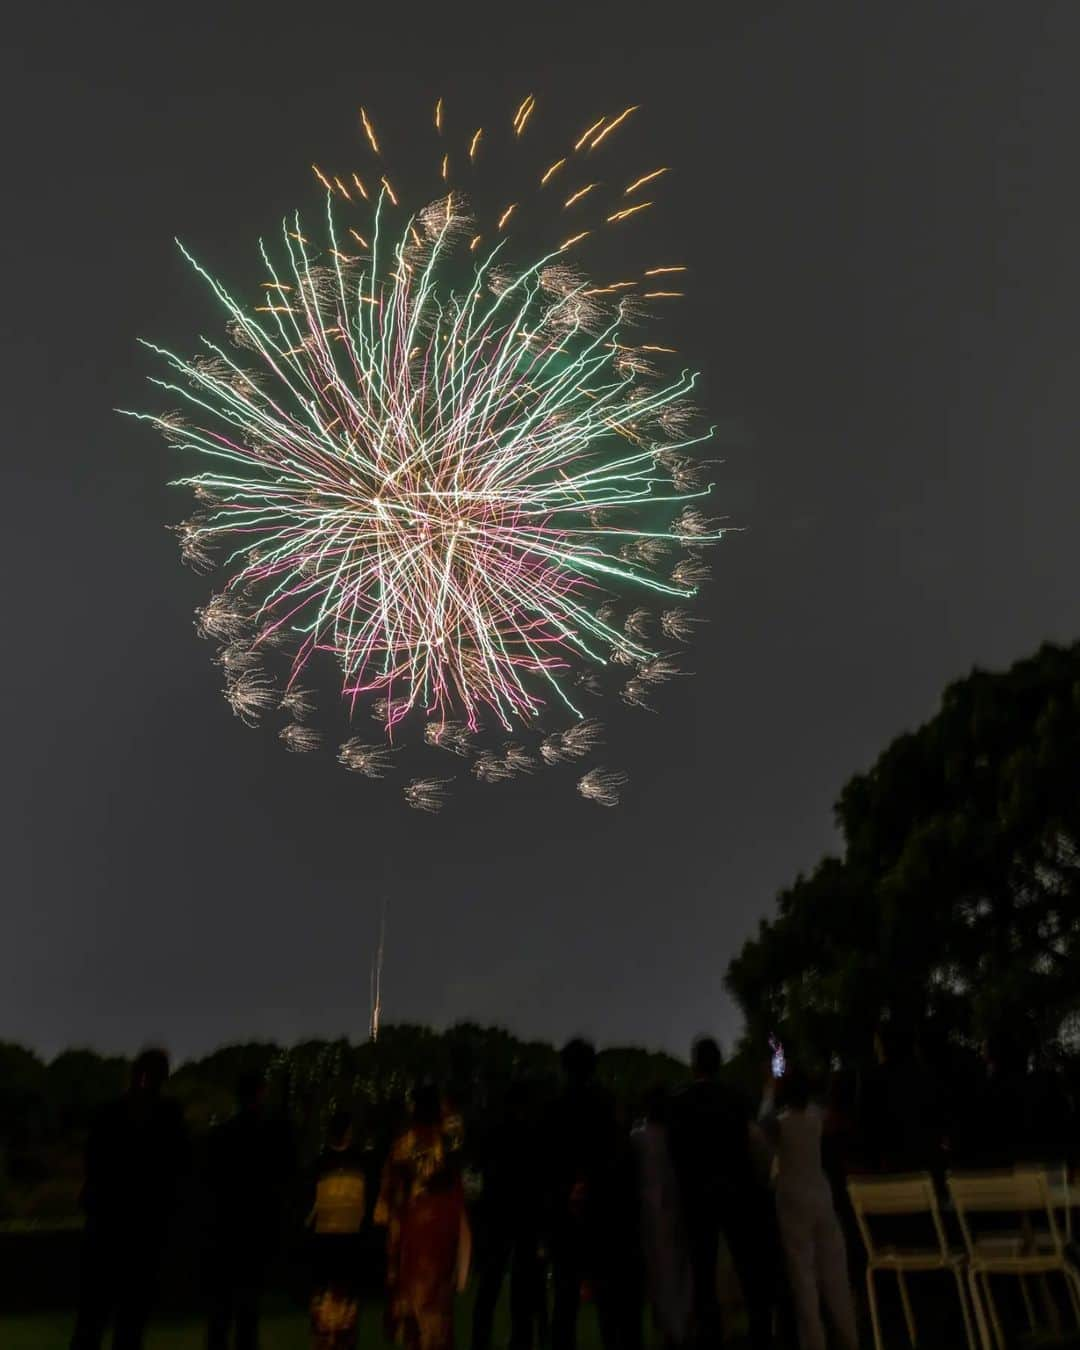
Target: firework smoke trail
<point>432,464</point>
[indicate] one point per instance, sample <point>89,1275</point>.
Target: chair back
<point>893,1197</point>
<point>1022,1195</point>
<point>1057,1179</point>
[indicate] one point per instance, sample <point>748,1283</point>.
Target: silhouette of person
<point>663,1231</point>
<point>509,1222</point>
<point>337,1220</point>
<point>903,1113</point>
<point>722,1192</point>
<point>136,1153</point>
<point>428,1242</point>
<point>810,1231</point>
<point>249,1163</point>
<point>1001,1129</point>
<point>580,1148</point>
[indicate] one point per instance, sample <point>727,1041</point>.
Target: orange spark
<point>574,239</point>
<point>438,116</point>
<point>360,186</point>
<point>344,189</point>
<point>656,295</point>
<point>358,237</point>
<point>586,134</point>
<point>322,178</point>
<point>507,214</point>
<point>653,347</point>
<point>274,309</point>
<point>523,114</point>
<point>276,286</point>
<point>612,125</point>
<point>369,131</point>
<point>416,238</point>
<point>630,211</point>
<point>578,195</point>
<point>554,169</point>
<point>658,271</point>
<point>389,190</point>
<point>298,237</point>
<point>445,167</point>
<point>646,178</point>
<point>475,142</point>
<point>474,241</point>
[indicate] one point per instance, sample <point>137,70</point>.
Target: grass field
<point>281,1330</point>
<point>52,1331</point>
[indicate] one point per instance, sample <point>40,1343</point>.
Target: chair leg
<point>1050,1307</point>
<point>963,1295</point>
<point>909,1316</point>
<point>1029,1307</point>
<point>1072,1284</point>
<point>995,1321</point>
<point>980,1312</point>
<point>871,1298</point>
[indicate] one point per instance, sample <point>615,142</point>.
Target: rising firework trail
<point>376,976</point>
<point>432,462</point>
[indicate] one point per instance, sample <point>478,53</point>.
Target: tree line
<point>46,1107</point>
<point>953,907</point>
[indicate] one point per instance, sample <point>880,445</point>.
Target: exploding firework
<point>373,761</point>
<point>300,739</point>
<point>603,786</point>
<point>433,463</point>
<point>427,794</point>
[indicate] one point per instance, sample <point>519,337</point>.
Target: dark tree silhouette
<point>957,896</point>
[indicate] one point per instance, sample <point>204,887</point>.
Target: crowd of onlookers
<point>568,1195</point>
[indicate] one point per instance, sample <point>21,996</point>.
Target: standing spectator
<point>136,1153</point>
<point>663,1233</point>
<point>428,1244</point>
<point>249,1164</point>
<point>1000,1127</point>
<point>579,1144</point>
<point>902,1112</point>
<point>509,1222</point>
<point>337,1221</point>
<point>723,1192</point>
<point>810,1231</point>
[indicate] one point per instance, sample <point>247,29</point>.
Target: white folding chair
<point>1034,1243</point>
<point>890,1197</point>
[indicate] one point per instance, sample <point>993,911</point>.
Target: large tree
<point>957,896</point>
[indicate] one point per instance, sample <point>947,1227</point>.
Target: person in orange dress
<point>428,1243</point>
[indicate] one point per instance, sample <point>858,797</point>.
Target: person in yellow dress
<point>337,1221</point>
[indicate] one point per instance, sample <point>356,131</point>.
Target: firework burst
<point>430,465</point>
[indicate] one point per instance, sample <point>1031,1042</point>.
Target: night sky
<point>879,205</point>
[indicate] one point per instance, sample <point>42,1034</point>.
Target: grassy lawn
<point>280,1331</point>
<point>52,1331</point>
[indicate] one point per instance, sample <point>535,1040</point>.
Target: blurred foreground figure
<point>585,1173</point>
<point>428,1243</point>
<point>135,1154</point>
<point>249,1163</point>
<point>722,1192</point>
<point>810,1231</point>
<point>509,1223</point>
<point>337,1220</point>
<point>663,1232</point>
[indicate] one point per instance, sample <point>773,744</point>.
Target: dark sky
<point>880,207</point>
